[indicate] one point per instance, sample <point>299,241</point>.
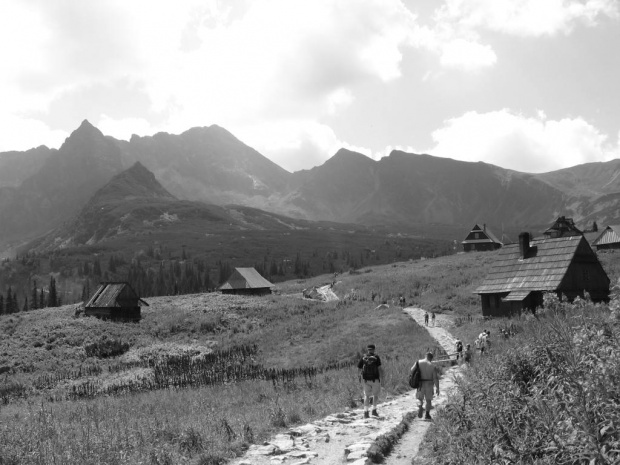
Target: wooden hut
<point>115,301</point>
<point>246,281</point>
<point>608,239</point>
<point>480,239</point>
<point>563,227</point>
<point>523,272</point>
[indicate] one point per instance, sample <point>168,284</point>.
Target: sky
<point>528,85</point>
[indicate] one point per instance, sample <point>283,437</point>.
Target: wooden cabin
<point>481,239</point>
<point>523,272</point>
<point>115,301</point>
<point>608,239</point>
<point>246,281</point>
<point>563,227</point>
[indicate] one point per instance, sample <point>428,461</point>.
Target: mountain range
<point>43,189</point>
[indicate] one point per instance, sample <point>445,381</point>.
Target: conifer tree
<point>52,298</point>
<point>9,301</point>
<point>97,268</point>
<point>42,299</point>
<point>25,309</point>
<point>33,299</point>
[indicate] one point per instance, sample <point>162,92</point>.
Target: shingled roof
<point>107,295</point>
<point>245,278</point>
<point>543,269</point>
<point>610,235</point>
<point>487,235</point>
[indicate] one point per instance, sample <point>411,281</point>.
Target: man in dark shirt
<point>371,374</point>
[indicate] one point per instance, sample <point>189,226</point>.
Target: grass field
<point>208,424</point>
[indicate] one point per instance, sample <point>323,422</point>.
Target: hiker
<point>481,342</point>
<point>426,318</point>
<point>371,373</point>
<point>458,345</point>
<point>467,355</point>
<point>428,379</point>
<point>433,319</point>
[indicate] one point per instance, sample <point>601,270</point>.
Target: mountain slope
<point>405,188</point>
<point>85,162</point>
<point>207,164</point>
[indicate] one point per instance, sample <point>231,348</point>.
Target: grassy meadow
<point>47,354</point>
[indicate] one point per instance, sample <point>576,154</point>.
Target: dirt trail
<point>345,437</point>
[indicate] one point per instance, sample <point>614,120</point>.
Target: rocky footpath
<point>346,437</point>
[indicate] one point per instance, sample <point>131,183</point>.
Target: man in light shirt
<point>428,379</point>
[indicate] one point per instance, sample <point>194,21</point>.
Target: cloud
<point>467,55</point>
<point>527,144</point>
<point>527,18</point>
<point>296,145</point>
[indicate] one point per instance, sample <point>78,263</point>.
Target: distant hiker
<point>426,318</point>
<point>428,379</point>
<point>433,318</point>
<point>401,301</point>
<point>371,373</point>
<point>481,342</point>
<point>467,355</point>
<point>458,346</point>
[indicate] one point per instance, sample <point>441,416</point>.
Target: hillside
<point>50,354</point>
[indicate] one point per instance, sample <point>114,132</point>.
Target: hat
<point>371,346</point>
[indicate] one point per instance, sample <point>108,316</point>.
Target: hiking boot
<point>374,413</point>
<point>428,416</point>
<point>420,412</point>
<point>366,414</point>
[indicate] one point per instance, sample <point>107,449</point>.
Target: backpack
<point>370,369</point>
<point>459,346</point>
<point>414,376</point>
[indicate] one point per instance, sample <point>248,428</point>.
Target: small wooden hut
<point>246,281</point>
<point>480,239</point>
<point>115,301</point>
<point>523,272</point>
<point>563,227</point>
<point>608,239</point>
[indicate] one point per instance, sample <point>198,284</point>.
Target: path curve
<point>345,437</point>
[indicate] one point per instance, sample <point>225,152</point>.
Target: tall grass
<point>551,395</point>
<point>212,424</point>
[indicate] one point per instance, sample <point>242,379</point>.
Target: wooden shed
<point>563,227</point>
<point>481,239</point>
<point>523,272</point>
<point>246,281</point>
<point>608,239</point>
<point>115,301</point>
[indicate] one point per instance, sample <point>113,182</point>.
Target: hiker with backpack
<point>426,318</point>
<point>428,379</point>
<point>371,373</point>
<point>433,319</point>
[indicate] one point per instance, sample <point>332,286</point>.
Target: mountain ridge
<point>209,164</point>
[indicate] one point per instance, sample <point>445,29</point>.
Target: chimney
<point>484,227</point>
<point>524,244</point>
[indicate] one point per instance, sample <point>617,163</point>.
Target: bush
<point>552,396</point>
<point>106,348</point>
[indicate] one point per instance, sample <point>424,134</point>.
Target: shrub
<point>106,348</point>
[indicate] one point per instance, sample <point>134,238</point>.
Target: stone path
<point>345,437</point>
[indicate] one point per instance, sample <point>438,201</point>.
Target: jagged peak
<point>85,132</point>
<point>135,181</point>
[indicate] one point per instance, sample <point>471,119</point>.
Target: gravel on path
<point>344,438</point>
